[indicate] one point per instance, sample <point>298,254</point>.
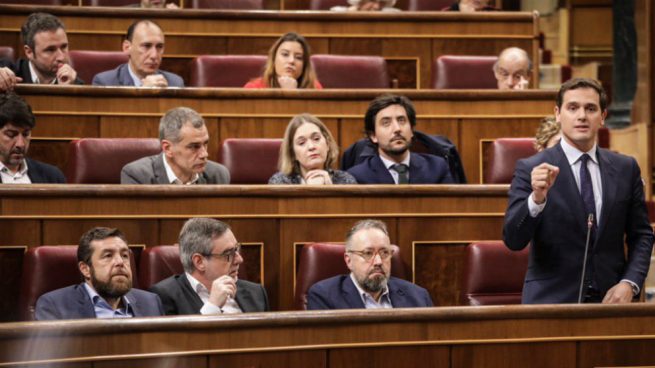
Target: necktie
<point>586,189</point>
<point>402,170</point>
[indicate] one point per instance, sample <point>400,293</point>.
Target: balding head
<point>513,69</point>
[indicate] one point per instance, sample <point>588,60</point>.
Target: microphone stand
<point>590,223</point>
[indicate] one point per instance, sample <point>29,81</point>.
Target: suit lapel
<point>350,293</point>
<point>192,296</point>
<point>124,78</point>
<point>380,171</point>
<point>84,303</point>
<point>397,295</point>
<point>608,176</point>
<point>159,170</point>
<point>416,163</point>
<point>244,299</point>
<point>33,173</point>
<point>568,187</point>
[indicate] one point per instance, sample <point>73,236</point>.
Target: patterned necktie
<point>402,170</point>
<point>586,189</point>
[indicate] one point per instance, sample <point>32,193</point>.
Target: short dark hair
<point>381,103</point>
<point>14,110</point>
<point>36,23</point>
<point>196,236</point>
<point>84,250</point>
<point>578,83</point>
<point>132,27</point>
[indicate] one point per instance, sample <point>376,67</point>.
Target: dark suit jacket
<point>179,298</point>
<point>22,69</point>
<point>121,77</point>
<point>151,170</point>
<point>423,169</point>
<point>73,302</point>
<point>42,173</point>
<point>558,233</point>
<point>339,292</point>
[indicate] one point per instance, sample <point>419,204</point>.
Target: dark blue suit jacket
<point>339,292</point>
<point>121,77</point>
<point>423,169</point>
<point>42,173</point>
<point>73,302</point>
<point>558,233</point>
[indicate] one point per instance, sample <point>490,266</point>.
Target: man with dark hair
<point>210,284</point>
<point>16,124</point>
<point>577,205</point>
<point>369,284</point>
<point>389,123</point>
<point>144,44</point>
<point>103,259</point>
<point>46,48</point>
<point>184,141</point>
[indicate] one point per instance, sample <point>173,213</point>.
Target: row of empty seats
<point>493,274</point>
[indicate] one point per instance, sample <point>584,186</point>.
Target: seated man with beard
<point>369,284</point>
<point>104,262</point>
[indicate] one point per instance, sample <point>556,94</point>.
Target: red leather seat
<point>226,70</point>
<point>250,160</point>
<point>7,53</point>
<point>326,4</point>
<point>48,268</point>
<point>89,63</point>
<point>428,5</point>
<point>319,261</point>
<point>341,71</point>
<point>158,263</point>
<point>228,4</point>
<point>464,72</point>
<point>100,160</point>
<point>500,158</point>
<point>493,274</point>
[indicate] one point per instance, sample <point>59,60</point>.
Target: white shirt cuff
<point>635,287</point>
<point>210,308</point>
<point>534,208</point>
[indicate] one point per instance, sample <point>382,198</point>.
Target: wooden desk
<point>410,41</point>
<point>430,224</point>
<point>467,117</point>
<point>582,336</point>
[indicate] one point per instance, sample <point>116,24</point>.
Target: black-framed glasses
<point>369,254</point>
<point>229,255</point>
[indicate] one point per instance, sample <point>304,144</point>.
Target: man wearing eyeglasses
<point>513,69</point>
<point>209,253</point>
<point>369,284</point>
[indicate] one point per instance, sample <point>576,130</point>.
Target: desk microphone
<point>590,223</point>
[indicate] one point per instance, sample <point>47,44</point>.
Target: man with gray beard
<point>106,292</point>
<point>369,284</point>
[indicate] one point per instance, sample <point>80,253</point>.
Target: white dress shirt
<point>231,305</point>
<point>19,177</point>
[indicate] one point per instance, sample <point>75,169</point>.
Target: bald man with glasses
<point>369,284</point>
<point>210,255</point>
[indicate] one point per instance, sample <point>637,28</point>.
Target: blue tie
<point>402,170</point>
<point>586,189</point>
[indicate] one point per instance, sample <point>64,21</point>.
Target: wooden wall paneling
<point>537,355</point>
<point>438,267</point>
<point>69,231</point>
<point>631,352</point>
<point>53,151</point>
<point>404,71</point>
<point>129,125</point>
<point>197,361</point>
<point>391,357</point>
<point>20,232</point>
<point>282,359</point>
<point>11,271</point>
<point>407,47</point>
<point>57,124</point>
<point>590,36</point>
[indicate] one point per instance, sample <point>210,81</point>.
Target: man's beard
<point>110,289</point>
<point>374,284</point>
<point>397,151</point>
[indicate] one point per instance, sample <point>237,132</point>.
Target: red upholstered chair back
<point>109,2</point>
<point>7,53</point>
<point>100,160</point>
<point>340,71</point>
<point>228,4</point>
<point>493,274</point>
<point>48,268</point>
<point>326,4</point>
<point>464,72</point>
<point>501,156</point>
<point>428,5</point>
<point>319,261</point>
<point>250,160</point>
<point>89,63</point>
<point>158,263</point>
<point>226,70</point>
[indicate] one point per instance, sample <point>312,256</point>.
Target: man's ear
<point>373,138</point>
<point>85,270</point>
<point>348,260</point>
<point>166,147</point>
<point>28,52</point>
<point>126,46</point>
<point>198,262</point>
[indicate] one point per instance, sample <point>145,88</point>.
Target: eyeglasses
<point>369,254</point>
<point>229,255</point>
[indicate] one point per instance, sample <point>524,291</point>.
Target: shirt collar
<point>363,294</point>
<point>573,154</point>
<point>22,170</point>
<point>135,78</point>
<point>35,77</point>
<point>196,285</point>
<point>388,163</point>
<point>172,178</point>
<point>96,299</point>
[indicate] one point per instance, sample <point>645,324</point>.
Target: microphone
<point>590,224</point>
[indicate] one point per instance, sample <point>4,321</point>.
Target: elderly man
<point>16,124</point>
<point>368,5</point>
<point>46,47</point>
<point>104,261</point>
<point>154,4</point>
<point>144,44</point>
<point>184,140</point>
<point>513,69</point>
<point>369,284</point>
<point>210,284</point>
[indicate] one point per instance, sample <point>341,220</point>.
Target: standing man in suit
<point>46,47</point>
<point>184,141</point>
<point>369,284</point>
<point>104,261</point>
<point>210,284</point>
<point>389,123</point>
<point>16,124</point>
<point>144,44</point>
<point>563,193</point>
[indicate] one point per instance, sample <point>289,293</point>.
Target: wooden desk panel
<point>466,117</point>
<point>190,33</point>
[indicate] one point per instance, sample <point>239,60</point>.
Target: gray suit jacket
<point>121,77</point>
<point>151,170</point>
<point>179,298</point>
